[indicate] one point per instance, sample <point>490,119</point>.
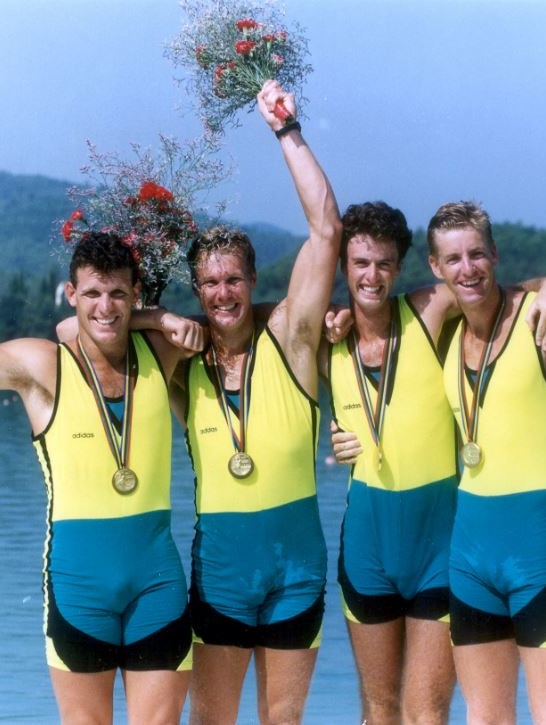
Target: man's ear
<point>435,267</point>
<point>137,289</point>
<point>70,293</point>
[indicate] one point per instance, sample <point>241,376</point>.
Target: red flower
<point>247,24</point>
<point>202,56</point>
<point>151,191</point>
<point>67,229</point>
<point>129,240</point>
<point>269,38</point>
<point>244,47</point>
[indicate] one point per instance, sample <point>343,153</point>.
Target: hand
<point>345,445</point>
<point>338,322</point>
<point>536,319</point>
<point>269,98</point>
<point>188,335</point>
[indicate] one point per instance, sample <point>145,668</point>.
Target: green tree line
<point>28,300</point>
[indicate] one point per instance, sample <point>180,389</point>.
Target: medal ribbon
<point>244,397</point>
<point>470,417</point>
<point>376,417</point>
<point>119,446</point>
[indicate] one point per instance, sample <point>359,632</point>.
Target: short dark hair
<point>105,252</point>
<point>460,215</point>
<point>221,239</point>
<point>381,221</point>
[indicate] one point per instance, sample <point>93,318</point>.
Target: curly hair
<point>221,239</point>
<point>380,221</point>
<point>105,252</point>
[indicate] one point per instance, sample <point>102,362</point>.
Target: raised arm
<point>298,321</point>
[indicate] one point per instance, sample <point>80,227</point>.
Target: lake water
<point>25,692</point>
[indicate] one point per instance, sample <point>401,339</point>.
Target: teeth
<point>105,322</point>
<point>370,289</point>
<point>473,283</point>
<point>226,308</point>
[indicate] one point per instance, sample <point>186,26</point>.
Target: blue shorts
<point>258,578</point>
<point>395,551</point>
<point>498,569</point>
<point>116,595</point>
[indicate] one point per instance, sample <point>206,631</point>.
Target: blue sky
<point>415,102</point>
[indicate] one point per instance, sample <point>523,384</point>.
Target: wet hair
<point>221,239</point>
<point>105,252</point>
<point>380,221</point>
<point>460,215</point>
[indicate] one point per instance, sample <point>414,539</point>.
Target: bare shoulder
<point>434,304</point>
<point>28,361</point>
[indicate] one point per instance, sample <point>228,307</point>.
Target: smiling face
<point>103,304</point>
<point>371,269</point>
<point>466,262</point>
<point>224,286</point>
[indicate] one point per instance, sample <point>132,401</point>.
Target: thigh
<point>216,683</point>
<point>429,672</point>
<point>301,631</point>
<point>168,648</point>
<point>155,697</point>
<point>84,696</point>
<point>534,663</point>
<point>379,651</point>
<point>487,674</point>
<point>283,678</point>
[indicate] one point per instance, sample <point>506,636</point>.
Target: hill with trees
<point>31,270</point>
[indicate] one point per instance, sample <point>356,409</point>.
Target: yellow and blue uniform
<point>498,558</point>
<point>115,590</point>
<point>397,525</point>
<point>259,556</point>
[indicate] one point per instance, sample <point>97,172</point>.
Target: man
<point>494,377</point>
<point>115,592</point>
<point>250,405</point>
<point>386,386</point>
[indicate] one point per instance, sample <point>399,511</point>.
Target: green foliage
<point>29,274</point>
<point>28,207</point>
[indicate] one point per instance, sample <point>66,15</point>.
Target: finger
<point>329,319</point>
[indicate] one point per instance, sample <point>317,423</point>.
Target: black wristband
<point>292,126</point>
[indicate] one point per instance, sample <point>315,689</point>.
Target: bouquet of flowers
<point>229,49</point>
<point>148,203</point>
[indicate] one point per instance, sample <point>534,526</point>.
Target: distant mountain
<point>29,271</point>
<point>30,206</point>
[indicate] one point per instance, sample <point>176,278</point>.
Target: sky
<point>416,102</point>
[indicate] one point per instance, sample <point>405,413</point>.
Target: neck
<point>232,342</point>
<point>105,356</point>
<point>480,319</point>
<point>373,325</point>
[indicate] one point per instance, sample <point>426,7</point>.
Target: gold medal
<point>240,465</point>
<point>472,454</point>
<point>124,481</point>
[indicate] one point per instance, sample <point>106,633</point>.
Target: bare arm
<point>297,322</point>
<point>29,367</point>
<point>174,337</point>
<point>435,304</point>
